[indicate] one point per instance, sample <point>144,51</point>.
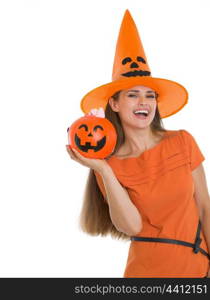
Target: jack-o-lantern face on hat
<point>92,136</point>
<point>135,67</point>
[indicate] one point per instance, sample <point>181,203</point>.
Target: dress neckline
<point>144,152</point>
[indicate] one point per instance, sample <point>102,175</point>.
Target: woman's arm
<point>123,213</point>
<point>202,199</point>
<point>203,202</point>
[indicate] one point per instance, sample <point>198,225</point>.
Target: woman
<point>145,188</point>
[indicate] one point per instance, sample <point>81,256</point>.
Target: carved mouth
<point>88,146</point>
<point>136,73</point>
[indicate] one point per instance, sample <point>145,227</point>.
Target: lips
<point>141,113</point>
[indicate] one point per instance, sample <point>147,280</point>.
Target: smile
<point>88,146</point>
<point>143,115</point>
<point>136,73</point>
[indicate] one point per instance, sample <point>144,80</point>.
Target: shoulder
<point>183,133</point>
<point>179,137</point>
<point>173,134</point>
<point>186,136</point>
<point>189,141</point>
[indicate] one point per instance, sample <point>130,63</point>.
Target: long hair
<point>95,218</point>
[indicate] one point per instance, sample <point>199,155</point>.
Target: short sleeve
<point>196,156</point>
<point>100,184</point>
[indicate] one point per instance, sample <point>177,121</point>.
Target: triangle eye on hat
<point>130,68</point>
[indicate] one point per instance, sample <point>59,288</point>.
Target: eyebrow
<point>137,91</point>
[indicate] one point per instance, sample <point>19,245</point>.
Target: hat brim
<point>172,95</point>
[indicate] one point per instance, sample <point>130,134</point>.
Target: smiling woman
<point>157,181</point>
<point>131,98</point>
<point>135,94</point>
<point>94,221</point>
<point>144,190</point>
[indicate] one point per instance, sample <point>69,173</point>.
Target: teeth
<point>141,111</point>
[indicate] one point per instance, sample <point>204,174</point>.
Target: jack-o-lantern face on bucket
<point>92,136</point>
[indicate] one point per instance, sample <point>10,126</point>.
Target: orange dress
<point>160,184</point>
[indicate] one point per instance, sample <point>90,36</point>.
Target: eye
<point>132,95</point>
<point>97,126</point>
<point>141,59</point>
<point>126,60</point>
<point>85,126</point>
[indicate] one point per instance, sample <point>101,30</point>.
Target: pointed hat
<point>131,68</point>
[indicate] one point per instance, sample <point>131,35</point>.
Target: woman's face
<point>131,101</point>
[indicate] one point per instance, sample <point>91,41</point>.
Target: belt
<point>195,246</point>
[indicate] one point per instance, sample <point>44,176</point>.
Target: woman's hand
<point>95,164</point>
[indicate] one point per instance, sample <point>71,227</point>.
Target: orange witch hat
<point>131,68</point>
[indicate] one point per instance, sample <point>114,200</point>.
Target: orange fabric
<point>160,184</point>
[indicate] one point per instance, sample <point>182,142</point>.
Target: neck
<point>139,139</point>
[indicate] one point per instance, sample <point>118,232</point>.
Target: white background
<point>51,54</point>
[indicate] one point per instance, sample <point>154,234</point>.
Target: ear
<point>114,105</point>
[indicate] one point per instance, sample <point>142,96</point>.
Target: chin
<point>141,125</point>
<point>138,123</point>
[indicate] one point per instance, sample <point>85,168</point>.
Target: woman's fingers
<point>71,153</point>
<point>87,162</point>
<point>79,157</point>
<point>77,154</point>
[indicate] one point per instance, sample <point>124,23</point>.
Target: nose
<point>141,99</point>
<point>134,65</point>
